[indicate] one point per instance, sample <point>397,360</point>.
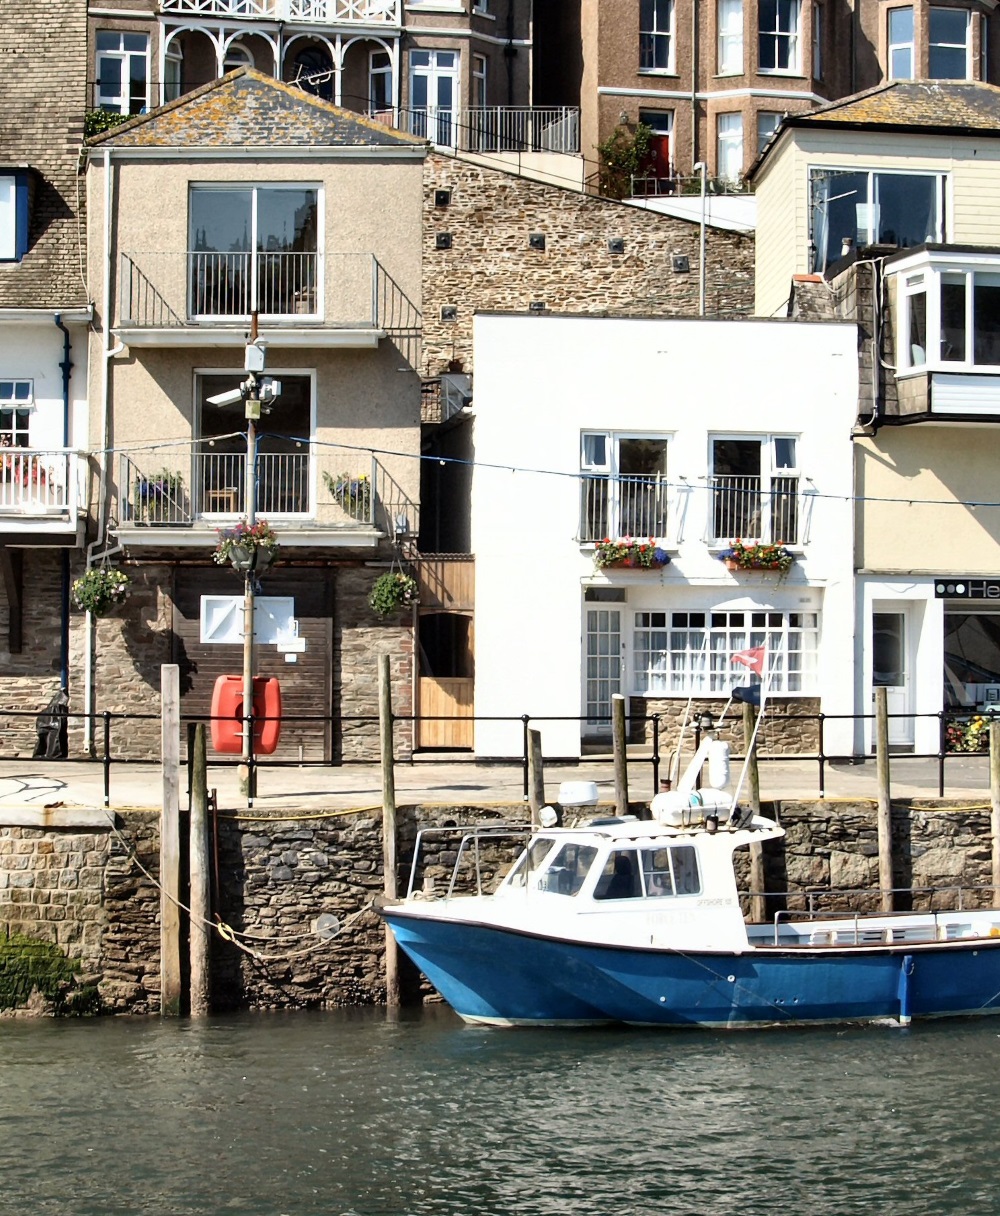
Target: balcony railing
<point>743,507</point>
<point>201,485</point>
<point>43,483</point>
<point>378,13</point>
<point>167,290</point>
<point>624,506</point>
<point>490,128</point>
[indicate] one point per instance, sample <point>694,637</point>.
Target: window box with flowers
<point>749,556</point>
<point>247,547</point>
<point>627,553</point>
<point>100,590</point>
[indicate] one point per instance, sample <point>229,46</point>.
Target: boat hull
<point>507,977</point>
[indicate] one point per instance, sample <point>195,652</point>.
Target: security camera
<point>230,397</point>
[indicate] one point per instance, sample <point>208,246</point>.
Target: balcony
<point>42,494</point>
<point>181,495</point>
<point>747,508</point>
<point>624,506</point>
<point>490,129</point>
<point>380,14</point>
<point>162,295</point>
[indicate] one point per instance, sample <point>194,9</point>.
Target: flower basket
<point>101,589</point>
<point>740,556</point>
<point>629,554</point>
<point>249,548</point>
<point>354,494</point>
<point>391,592</point>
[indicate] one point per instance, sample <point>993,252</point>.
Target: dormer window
<point>13,215</point>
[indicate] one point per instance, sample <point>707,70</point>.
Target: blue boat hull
<point>495,975</point>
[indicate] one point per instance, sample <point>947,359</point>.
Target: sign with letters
<point>974,588</point>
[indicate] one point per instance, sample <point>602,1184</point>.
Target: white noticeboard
<point>274,622</point>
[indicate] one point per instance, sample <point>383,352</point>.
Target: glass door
<point>433,88</point>
<point>603,674</point>
<point>890,671</point>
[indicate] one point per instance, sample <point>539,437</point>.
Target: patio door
<point>603,666</point>
<point>890,670</point>
<point>433,89</point>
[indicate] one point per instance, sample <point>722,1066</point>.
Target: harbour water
<point>360,1113</point>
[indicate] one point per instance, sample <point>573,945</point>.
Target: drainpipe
<point>694,83</point>
<point>700,167</point>
<point>65,367</point>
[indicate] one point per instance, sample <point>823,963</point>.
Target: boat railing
<point>470,842</point>
<point>859,927</point>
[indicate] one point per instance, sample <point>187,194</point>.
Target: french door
<point>603,666</point>
<point>433,89</point>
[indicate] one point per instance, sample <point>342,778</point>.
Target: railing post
<point>524,756</point>
<point>656,754</point>
<point>942,747</point>
<point>107,757</point>
<point>821,718</point>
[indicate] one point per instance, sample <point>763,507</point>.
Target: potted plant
<point>626,552</point>
<point>100,589</point>
<point>248,547</point>
<point>156,498</point>
<point>750,556</point>
<point>354,494</point>
<point>391,592</point>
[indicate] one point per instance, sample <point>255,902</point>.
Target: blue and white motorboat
<point>640,922</point>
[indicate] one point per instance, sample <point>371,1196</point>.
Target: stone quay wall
<point>791,727</point>
<point>92,894</point>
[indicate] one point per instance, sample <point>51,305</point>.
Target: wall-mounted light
<point>449,312</point>
<point>680,263</point>
<point>616,244</point>
<point>442,240</point>
<point>537,241</point>
<point>536,306</point>
<point>442,198</point>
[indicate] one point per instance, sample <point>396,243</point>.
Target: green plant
<point>245,537</point>
<point>28,965</point>
<point>156,495</point>
<point>392,591</point>
<point>628,552</point>
<point>623,155</point>
<point>96,122</point>
<point>100,589</point>
<point>353,493</point>
<point>757,556</point>
<point>968,734</point>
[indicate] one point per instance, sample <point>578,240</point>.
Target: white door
<point>433,89</point>
<point>890,670</point>
<point>603,675</point>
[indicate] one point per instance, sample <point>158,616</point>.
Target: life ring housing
<point>227,714</point>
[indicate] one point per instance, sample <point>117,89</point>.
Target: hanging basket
<point>100,590</point>
<point>251,558</point>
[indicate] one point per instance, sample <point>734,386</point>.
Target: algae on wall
<point>28,965</point>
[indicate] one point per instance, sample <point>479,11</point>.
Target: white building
<point>692,432</point>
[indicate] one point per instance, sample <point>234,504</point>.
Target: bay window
<point>691,652</point>
<point>778,43</point>
<point>949,315</point>
<point>656,35</point>
<point>949,52</point>
<point>900,44</point>
<point>730,37</point>
<point>623,486</point>
<point>755,490</point>
<point>729,150</point>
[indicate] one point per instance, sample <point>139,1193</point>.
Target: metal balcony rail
<point>37,482</point>
<point>490,128</point>
<point>165,290</point>
<point>206,482</point>
<point>672,182</point>
<point>744,507</point>
<point>320,12</point>
<point>623,506</point>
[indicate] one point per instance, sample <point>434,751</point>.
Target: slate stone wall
<point>790,727</point>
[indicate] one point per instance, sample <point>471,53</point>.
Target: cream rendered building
<point>248,196</point>
<point>889,197</point>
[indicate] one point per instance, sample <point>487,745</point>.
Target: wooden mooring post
<point>884,798</point>
<point>389,885</point>
<point>170,841</point>
<point>758,904</point>
<point>199,899</point>
<point>621,760</point>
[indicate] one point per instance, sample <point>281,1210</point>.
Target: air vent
<point>680,263</point>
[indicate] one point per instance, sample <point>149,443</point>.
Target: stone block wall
<point>791,726</point>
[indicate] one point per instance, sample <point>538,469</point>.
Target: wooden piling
<point>885,880</point>
<point>621,761</point>
<point>536,776</point>
<point>170,842</point>
<point>388,824</point>
<point>758,904</point>
<point>995,805</point>
<point>199,899</point>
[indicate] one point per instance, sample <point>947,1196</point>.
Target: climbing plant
<point>624,155</point>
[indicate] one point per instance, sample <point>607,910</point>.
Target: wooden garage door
<point>306,685</point>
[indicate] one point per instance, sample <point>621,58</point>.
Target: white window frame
<point>608,471</point>
<point>925,274</point>
<point>17,401</point>
<point>729,14</point>
<point>791,38</point>
<point>441,121</point>
<point>770,472</point>
<point>661,21</point>
<point>8,217</point>
<point>121,101</point>
<point>380,72</point>
<point>700,661</point>
<point>903,45</point>
<point>965,45</point>
<point>817,41</point>
<point>479,82</point>
<point>768,121</point>
<point>729,145</point>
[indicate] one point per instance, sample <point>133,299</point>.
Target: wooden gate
<point>446,681</point>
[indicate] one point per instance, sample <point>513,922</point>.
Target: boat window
<point>671,871</point>
<point>530,861</point>
<point>567,870</point>
<point>620,878</point>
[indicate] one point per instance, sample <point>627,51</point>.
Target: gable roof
<point>247,109</point>
<point>916,107</point>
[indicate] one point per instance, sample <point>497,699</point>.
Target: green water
<point>357,1114</point>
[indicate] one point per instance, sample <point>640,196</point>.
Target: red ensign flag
<point>752,658</point>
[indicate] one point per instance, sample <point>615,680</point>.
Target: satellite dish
<point>326,926</point>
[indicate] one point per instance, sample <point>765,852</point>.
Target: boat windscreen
<point>566,871</point>
<point>525,869</point>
